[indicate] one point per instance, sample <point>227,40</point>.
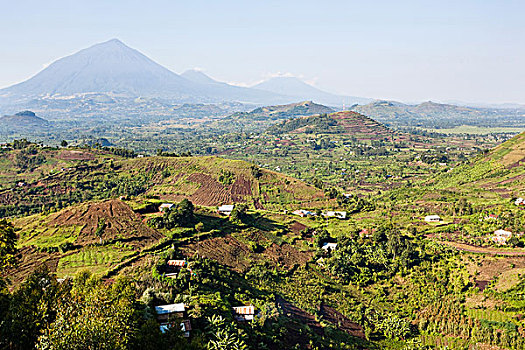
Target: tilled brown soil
<point>28,260</point>
<point>230,252</point>
<point>121,223</point>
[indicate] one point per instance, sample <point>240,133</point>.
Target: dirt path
<point>493,251</point>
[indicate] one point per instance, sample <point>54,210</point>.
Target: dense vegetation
<point>392,280</point>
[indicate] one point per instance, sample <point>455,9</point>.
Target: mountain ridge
<point>295,87</point>
<point>113,68</point>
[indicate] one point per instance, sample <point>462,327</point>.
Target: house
<point>173,267</point>
<point>168,312</point>
<point>335,214</point>
<point>303,213</point>
<point>177,263</point>
<point>244,313</point>
<point>501,236</point>
<point>519,201</point>
<point>366,232</point>
<point>432,218</point>
<point>329,246</point>
<point>226,209</point>
<point>171,314</point>
<point>166,206</point>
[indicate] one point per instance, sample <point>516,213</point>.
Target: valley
<point>96,208</point>
<point>145,209</point>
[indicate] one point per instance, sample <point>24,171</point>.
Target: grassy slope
<point>497,174</point>
<point>42,236</point>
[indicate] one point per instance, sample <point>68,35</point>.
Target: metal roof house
<point>303,213</point>
<point>170,309</point>
<point>171,314</point>
<point>244,313</point>
<point>501,236</point>
<point>177,263</point>
<point>226,209</point>
<point>335,214</point>
<point>432,218</point>
<point>166,206</point>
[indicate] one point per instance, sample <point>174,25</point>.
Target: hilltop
<point>261,118</point>
<point>346,123</point>
<point>22,120</point>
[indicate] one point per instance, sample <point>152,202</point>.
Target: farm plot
<point>96,259</point>
<point>119,221</point>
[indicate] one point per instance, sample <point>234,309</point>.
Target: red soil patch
<point>299,315</point>
<point>481,285</point>
<point>482,250</point>
<point>211,192</point>
<point>225,250</point>
<point>241,187</point>
<point>28,260</point>
<point>75,155</point>
<point>287,256</point>
<point>121,223</point>
<point>230,252</point>
<point>297,227</point>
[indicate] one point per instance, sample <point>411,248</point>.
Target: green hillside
<point>394,280</point>
<point>498,172</point>
<point>35,179</point>
<point>261,118</point>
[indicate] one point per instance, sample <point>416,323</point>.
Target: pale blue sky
<point>471,51</point>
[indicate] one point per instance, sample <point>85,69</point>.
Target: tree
<point>7,245</point>
<point>63,143</point>
<point>394,327</point>
<point>321,236</point>
<point>100,229</point>
<point>92,316</point>
<point>224,335</point>
<point>239,214</point>
<point>179,215</point>
<point>31,309</point>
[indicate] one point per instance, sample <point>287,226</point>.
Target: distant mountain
<point>437,115</point>
<point>22,120</point>
<point>294,87</point>
<point>107,67</point>
<point>349,123</point>
<point>199,77</point>
<point>118,70</point>
<point>261,118</point>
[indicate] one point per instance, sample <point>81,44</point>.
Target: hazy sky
<point>405,50</point>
